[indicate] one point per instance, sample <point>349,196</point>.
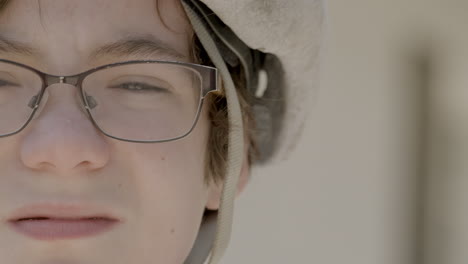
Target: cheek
<point>172,193</point>
<point>177,164</point>
<point>168,192</point>
<point>175,170</point>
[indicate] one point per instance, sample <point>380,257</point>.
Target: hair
<point>216,159</point>
<point>217,147</point>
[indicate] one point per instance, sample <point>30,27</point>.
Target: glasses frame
<point>209,80</point>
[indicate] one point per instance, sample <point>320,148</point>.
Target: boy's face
<point>156,191</point>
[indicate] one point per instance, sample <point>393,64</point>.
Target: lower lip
<point>51,229</point>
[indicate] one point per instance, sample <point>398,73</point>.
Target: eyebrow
<point>16,47</point>
<point>137,45</point>
<point>140,45</point>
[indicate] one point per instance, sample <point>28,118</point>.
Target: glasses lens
<point>19,90</point>
<point>144,102</point>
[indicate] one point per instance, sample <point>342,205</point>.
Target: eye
<point>6,83</point>
<point>139,87</point>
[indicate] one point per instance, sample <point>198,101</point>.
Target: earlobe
<point>214,197</point>
<point>215,191</point>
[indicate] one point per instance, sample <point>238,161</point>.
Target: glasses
<point>143,101</point>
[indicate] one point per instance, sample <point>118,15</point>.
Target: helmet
<point>276,44</point>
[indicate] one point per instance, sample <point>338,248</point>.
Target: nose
<point>61,137</point>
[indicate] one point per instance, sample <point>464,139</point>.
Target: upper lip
<point>61,211</point>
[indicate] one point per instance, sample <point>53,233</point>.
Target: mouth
<point>53,222</point>
<point>39,218</point>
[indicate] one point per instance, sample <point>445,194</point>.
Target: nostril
<point>85,163</point>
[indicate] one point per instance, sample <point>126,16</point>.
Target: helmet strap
<point>235,141</point>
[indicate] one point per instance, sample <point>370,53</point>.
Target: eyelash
<point>5,83</point>
<point>124,86</point>
<point>145,86</point>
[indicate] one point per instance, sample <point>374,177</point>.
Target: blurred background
<point>380,175</point>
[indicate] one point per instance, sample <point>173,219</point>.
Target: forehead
<point>72,30</point>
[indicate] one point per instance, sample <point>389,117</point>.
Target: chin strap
<point>234,156</point>
<point>205,239</point>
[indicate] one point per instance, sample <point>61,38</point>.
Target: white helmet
<point>276,44</point>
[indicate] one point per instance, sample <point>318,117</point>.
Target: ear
<point>215,192</point>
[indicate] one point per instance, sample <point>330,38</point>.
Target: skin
<point>156,189</point>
